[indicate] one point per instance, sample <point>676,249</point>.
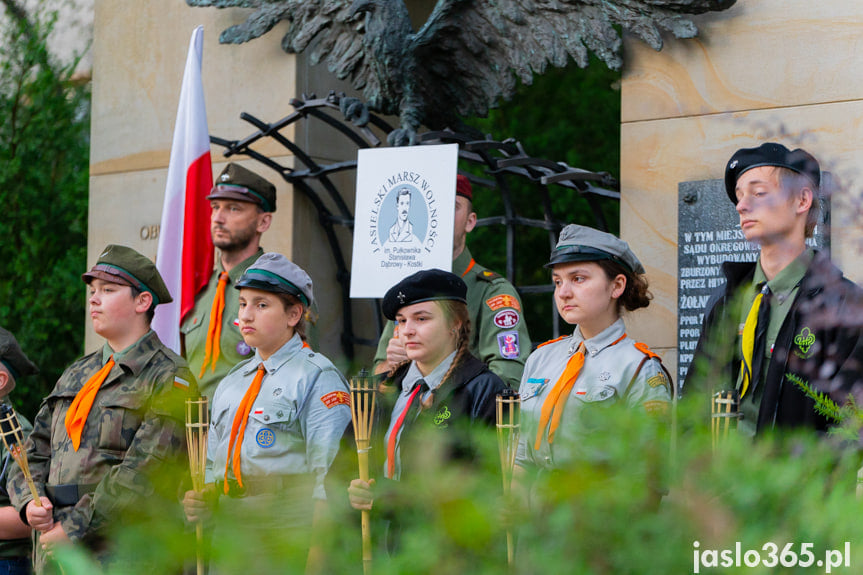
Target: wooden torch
<point>363,393</point>
<point>13,439</point>
<point>197,428</point>
<point>724,413</point>
<point>508,429</point>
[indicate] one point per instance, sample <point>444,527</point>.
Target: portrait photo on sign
<point>404,215</point>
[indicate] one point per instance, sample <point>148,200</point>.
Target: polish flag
<point>185,253</point>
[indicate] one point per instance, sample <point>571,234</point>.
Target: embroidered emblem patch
<point>442,415</point>
<point>657,380</point>
<point>335,398</point>
<point>533,387</point>
<point>243,348</point>
<point>500,301</point>
<point>506,318</point>
<point>236,322</point>
<point>181,383</point>
<point>507,342</point>
<point>804,341</point>
<point>277,392</point>
<point>604,376</point>
<point>265,438</point>
<point>601,394</point>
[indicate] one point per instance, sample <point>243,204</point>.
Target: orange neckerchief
<point>555,402</point>
<point>214,331</point>
<point>238,429</point>
<point>469,267</point>
<point>76,415</point>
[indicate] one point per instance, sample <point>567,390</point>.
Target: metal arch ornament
<point>499,160</point>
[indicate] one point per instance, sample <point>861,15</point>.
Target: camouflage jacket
<point>133,436</point>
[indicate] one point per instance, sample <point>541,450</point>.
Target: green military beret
<point>13,358</point>
<point>125,266</point>
<point>583,244</point>
<point>237,183</point>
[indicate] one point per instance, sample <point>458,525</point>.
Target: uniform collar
<point>238,270</point>
<point>433,380</point>
<point>461,263</point>
<point>137,355</point>
<point>278,359</point>
<point>607,337</point>
<point>789,277</point>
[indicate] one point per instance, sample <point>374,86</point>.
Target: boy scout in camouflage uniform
<point>499,334</point>
<point>113,424</point>
<point>242,206</point>
<point>14,533</point>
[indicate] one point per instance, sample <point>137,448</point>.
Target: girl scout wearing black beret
<point>442,388</point>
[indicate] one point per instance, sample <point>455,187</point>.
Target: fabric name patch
<point>656,407</point>
<point>499,301</point>
<point>265,438</point>
<point>335,398</point>
<point>507,342</point>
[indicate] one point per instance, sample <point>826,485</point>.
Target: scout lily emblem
<point>442,415</point>
<point>804,341</point>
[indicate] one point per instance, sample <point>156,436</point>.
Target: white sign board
<point>403,220</point>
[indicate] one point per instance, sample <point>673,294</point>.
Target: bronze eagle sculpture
<point>468,55</point>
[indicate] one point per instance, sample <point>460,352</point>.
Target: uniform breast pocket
<point>193,324</point>
<point>274,424</point>
<point>120,417</point>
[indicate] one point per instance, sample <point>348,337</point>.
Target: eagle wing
<point>471,53</point>
<point>321,28</point>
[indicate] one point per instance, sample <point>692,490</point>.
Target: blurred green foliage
<point>569,115</point>
<point>595,517</point>
<point>44,166</point>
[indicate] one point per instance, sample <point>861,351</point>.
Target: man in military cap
<point>15,545</point>
<point>242,204</point>
<point>110,436</point>
<point>791,315</point>
<point>499,334</point>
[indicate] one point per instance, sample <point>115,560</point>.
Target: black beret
<point>13,358</point>
<point>770,154</point>
<point>237,183</point>
<point>425,285</point>
<point>123,265</point>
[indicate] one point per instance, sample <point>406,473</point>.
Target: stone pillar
<point>764,70</point>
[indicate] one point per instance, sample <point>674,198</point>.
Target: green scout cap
<point>275,273</point>
<point>125,266</point>
<point>583,244</point>
<point>13,358</point>
<point>237,183</point>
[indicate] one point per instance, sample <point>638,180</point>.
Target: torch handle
<point>363,459</point>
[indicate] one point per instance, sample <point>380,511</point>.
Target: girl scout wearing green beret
<point>442,388</point>
<point>595,277</point>
<point>277,420</point>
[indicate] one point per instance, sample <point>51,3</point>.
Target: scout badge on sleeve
<point>13,439</point>
<point>197,428</point>
<point>363,392</point>
<point>508,429</point>
<point>724,408</point>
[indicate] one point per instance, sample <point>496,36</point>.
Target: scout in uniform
<point>441,388</point>
<point>277,420</point>
<point>15,544</point>
<point>498,331</point>
<point>111,432</point>
<point>788,316</point>
<point>242,206</point>
<point>596,276</point>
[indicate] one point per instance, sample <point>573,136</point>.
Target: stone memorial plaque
<point>708,234</point>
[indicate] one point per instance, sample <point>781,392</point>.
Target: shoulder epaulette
<point>552,341</point>
<point>642,347</point>
<point>488,275</point>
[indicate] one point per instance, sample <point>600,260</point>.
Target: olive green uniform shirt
<point>499,334</point>
<point>133,440</point>
<point>11,548</point>
<point>783,290</point>
<point>233,349</point>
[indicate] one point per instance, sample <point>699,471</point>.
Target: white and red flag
<point>185,253</point>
